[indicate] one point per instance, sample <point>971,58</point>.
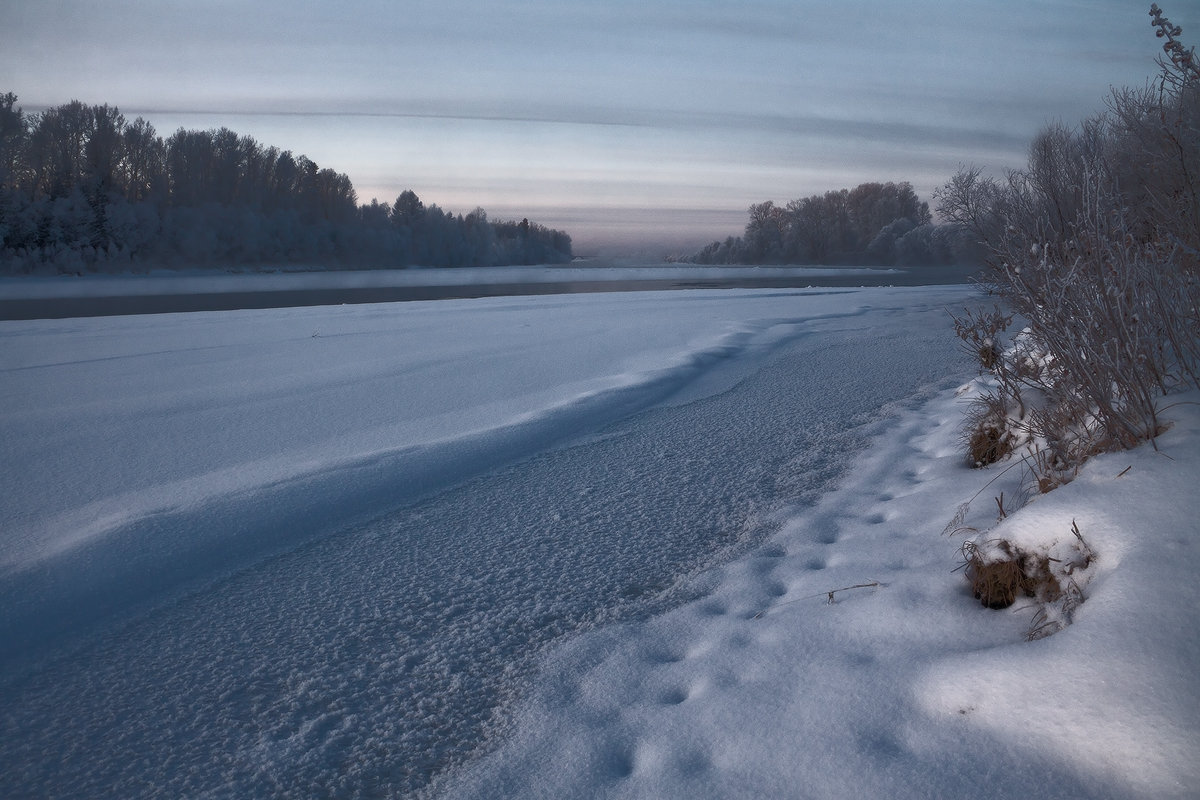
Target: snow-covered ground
<point>344,550</point>
<point>846,659</point>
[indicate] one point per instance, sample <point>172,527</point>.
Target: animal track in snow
<point>663,656</point>
<point>765,566</point>
<point>827,531</point>
<point>615,761</point>
<point>673,697</point>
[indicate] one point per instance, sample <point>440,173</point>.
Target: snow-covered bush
<point>1052,572</point>
<point>1096,246</point>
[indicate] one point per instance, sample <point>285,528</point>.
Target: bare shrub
<point>981,332</point>
<point>1096,245</point>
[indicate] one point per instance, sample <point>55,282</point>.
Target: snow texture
<point>905,687</point>
<point>561,546</point>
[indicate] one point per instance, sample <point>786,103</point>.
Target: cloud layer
<point>629,110</point>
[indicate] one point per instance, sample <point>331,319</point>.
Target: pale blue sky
<point>634,123</point>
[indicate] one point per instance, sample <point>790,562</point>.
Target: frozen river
<point>88,296</point>
<point>369,659</point>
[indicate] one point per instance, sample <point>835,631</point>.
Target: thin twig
<point>995,478</point>
<point>828,594</point>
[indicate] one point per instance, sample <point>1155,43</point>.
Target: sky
<point>637,126</point>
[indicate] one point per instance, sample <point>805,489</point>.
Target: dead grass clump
<point>1002,572</point>
<point>994,582</point>
<point>987,433</point>
<point>1053,576</point>
<point>989,355</point>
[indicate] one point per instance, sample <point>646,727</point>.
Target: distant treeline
<point>872,224</point>
<point>82,189</point>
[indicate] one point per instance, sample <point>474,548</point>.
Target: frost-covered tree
<point>1095,244</point>
<point>81,189</point>
<point>861,225</point>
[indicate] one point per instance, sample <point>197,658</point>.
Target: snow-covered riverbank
<point>242,456</point>
<point>847,658</point>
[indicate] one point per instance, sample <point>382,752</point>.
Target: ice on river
<point>350,551</point>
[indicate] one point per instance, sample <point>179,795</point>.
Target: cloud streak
<point>635,105</point>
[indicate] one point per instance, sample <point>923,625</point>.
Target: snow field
<point>110,420</point>
<point>146,451</point>
<point>763,688</point>
<point>326,547</point>
<point>355,621</point>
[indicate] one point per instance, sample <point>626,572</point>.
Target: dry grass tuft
<point>1000,572</point>
<point>989,355</point>
<point>1050,619</point>
<point>994,582</point>
<point>986,432</point>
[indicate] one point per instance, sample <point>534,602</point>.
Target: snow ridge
<point>128,549</point>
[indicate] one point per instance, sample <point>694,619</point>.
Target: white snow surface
<point>908,688</point>
<point>111,420</point>
<point>169,440</point>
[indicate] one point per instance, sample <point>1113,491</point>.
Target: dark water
<point>62,308</point>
